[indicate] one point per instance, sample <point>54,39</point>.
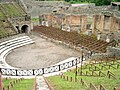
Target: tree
<point>102,2</point>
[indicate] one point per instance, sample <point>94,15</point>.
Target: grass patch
<point>2,16</point>
<point>25,84</point>
<point>109,84</point>
<point>7,81</point>
<point>60,84</point>
<point>11,10</point>
<point>35,19</point>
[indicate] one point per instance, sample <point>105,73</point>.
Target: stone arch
<point>18,30</point>
<point>24,29</point>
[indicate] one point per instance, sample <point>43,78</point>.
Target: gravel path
<point>40,54</point>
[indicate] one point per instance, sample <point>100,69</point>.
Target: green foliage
<point>97,2</point>
<point>102,2</point>
<point>35,19</point>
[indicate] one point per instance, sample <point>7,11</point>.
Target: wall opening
<point>24,29</point>
<point>17,27</point>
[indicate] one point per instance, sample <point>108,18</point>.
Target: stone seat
<point>7,46</point>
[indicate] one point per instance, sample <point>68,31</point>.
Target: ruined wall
<point>36,8</point>
<point>107,23</point>
<point>115,24</point>
<point>19,22</point>
<point>75,20</point>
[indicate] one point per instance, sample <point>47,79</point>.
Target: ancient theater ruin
<point>39,39</point>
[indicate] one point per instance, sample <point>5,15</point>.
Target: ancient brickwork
<point>93,19</point>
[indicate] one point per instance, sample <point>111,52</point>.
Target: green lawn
<point>109,84</point>
<point>25,84</point>
<point>7,81</point>
<point>60,84</point>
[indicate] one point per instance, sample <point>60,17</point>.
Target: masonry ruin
<point>101,21</point>
<point>18,18</point>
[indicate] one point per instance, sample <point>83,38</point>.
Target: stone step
<point>41,84</point>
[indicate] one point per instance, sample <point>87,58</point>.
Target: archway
<point>17,27</point>
<point>24,29</point>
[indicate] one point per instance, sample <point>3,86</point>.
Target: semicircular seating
<point>7,46</point>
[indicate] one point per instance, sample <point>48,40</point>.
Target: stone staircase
<point>41,84</point>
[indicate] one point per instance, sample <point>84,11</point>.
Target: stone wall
<point>62,15</point>
<point>36,8</point>
<point>99,22</point>
<point>115,51</point>
<point>111,52</point>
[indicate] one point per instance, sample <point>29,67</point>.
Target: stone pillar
<point>111,23</point>
<point>29,28</point>
<point>102,23</point>
<point>68,21</point>
<point>98,36</point>
<point>80,23</point>
<point>108,38</point>
<point>93,23</point>
<point>31,25</point>
<point>84,22</point>
<point>46,23</point>
<point>52,20</point>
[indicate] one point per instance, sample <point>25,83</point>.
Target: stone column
<point>31,26</point>
<point>93,23</point>
<point>40,20</point>
<point>69,23</point>
<point>111,23</point>
<point>102,23</point>
<point>99,36</point>
<point>80,23</point>
<point>108,38</point>
<point>84,21</point>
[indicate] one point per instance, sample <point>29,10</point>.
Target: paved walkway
<point>41,84</point>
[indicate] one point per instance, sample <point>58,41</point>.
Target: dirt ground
<point>42,53</point>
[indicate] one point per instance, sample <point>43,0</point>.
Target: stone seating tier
<point>7,46</point>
